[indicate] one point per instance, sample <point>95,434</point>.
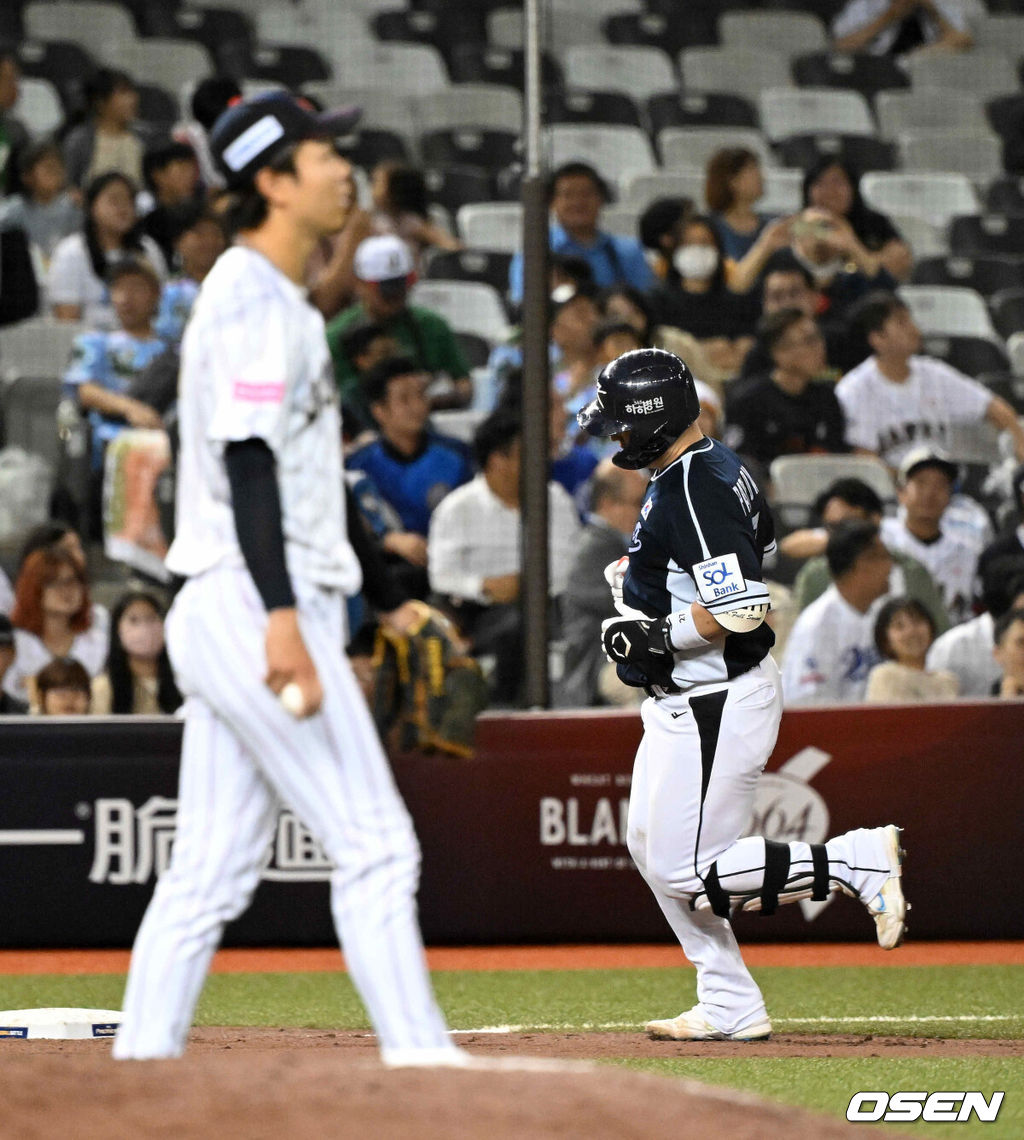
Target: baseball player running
<point>691,631</point>
<point>261,538</point>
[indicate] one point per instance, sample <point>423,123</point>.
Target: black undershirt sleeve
<point>256,501</point>
<point>379,586</point>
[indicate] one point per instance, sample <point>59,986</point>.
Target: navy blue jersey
<point>702,535</point>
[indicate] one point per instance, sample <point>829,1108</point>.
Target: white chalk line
<point>866,1019</point>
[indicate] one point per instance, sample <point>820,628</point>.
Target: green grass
<point>582,999</point>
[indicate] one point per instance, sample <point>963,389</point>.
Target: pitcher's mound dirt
<point>321,1085</point>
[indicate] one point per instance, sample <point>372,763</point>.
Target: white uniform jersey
<point>830,651</point>
<point>255,364</point>
<point>891,418</point>
<point>966,651</point>
<point>952,561</point>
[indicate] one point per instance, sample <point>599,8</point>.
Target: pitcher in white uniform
<point>261,539</point>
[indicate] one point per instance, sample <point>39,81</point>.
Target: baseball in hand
<point>292,700</point>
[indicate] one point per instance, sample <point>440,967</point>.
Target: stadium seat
<point>367,147</point>
<point>999,33</point>
<point>382,110</point>
<point>1005,385</point>
<point>623,221</point>
<point>468,306</point>
<point>158,109</point>
<point>288,64</point>
<point>984,73</point>
<point>98,28</point>
<point>455,186</point>
<point>1005,195</point>
<point>1007,307</point>
<point>1015,351</point>
<point>471,105</point>
<point>1006,115</point>
<point>458,423</point>
<point>868,74</point>
<point>808,110</point>
<point>64,64</point>
<point>28,405</point>
<point>936,198</point>
<point>635,71</point>
<point>652,29</point>
<point>484,265</point>
<point>37,347</point>
<point>923,237</point>
<point>948,310</point>
<point>474,63</point>
<point>338,33</point>
<point>615,152</point>
<point>693,146</point>
<point>900,111</point>
<point>798,480</point>
<point>165,62</point>
<point>783,191</point>
<point>968,354</point>
<point>439,28</point>
<point>987,274</point>
<point>476,349</point>
<point>564,27</point>
<point>791,33</point>
<point>401,69</point>
<point>227,34</point>
<point>858,151</point>
<point>987,233</point>
<point>614,108</point>
<point>470,146</point>
<point>491,225</point>
<point>978,155</point>
<point>39,106</point>
<point>643,189</point>
<point>700,109</point>
<point>741,71</point>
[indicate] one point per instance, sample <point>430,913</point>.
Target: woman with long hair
<point>732,186</point>
<point>53,617</point>
<point>138,678</point>
<point>76,284</point>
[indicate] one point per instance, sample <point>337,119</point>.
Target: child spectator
<point>53,617</point>
<point>103,364</point>
<point>1009,654</point>
<point>171,175</point>
<point>106,140</point>
<point>733,186</point>
<point>77,279</point>
<point>9,706</point>
<point>138,677</point>
<point>62,689</point>
<point>904,631</point>
<point>44,209</point>
<point>400,202</point>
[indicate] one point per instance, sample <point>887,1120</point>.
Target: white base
<point>59,1024</point>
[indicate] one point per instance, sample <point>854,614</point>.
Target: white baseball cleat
<point>694,1026</point>
<point>889,908</point>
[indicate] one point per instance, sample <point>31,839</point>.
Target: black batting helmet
<point>649,393</point>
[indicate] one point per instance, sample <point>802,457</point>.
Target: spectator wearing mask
<point>662,226</point>
<point>576,194</point>
<point>966,650</point>
<point>76,284</point>
<point>831,648</point>
<point>474,555</point>
<point>400,207</point>
<point>898,27</point>
<point>44,209</point>
<point>616,497</point>
<point>63,689</point>
<point>54,618</point>
<point>138,678</point>
<point>793,409</point>
<point>9,706</point>
<point>732,189</point>
<point>197,240</point>
<point>170,174</point>
<point>1009,655</point>
<point>833,186</point>
<point>896,398</point>
<point>106,141</point>
<point>13,135</point>
<point>703,304</point>
<point>950,553</point>
<point>854,499</point>
<point>104,364</point>
<point>904,630</point>
<point>384,274</point>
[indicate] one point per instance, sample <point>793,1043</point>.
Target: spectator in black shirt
<point>787,412</point>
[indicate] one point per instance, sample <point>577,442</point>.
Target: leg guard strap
<point>822,885</point>
<point>776,872</point>
<point>717,897</point>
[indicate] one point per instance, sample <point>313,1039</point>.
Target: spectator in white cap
<point>385,272</point>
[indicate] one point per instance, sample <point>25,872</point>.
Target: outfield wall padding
<point>527,841</point>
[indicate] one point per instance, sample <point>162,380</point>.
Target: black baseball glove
<point>639,649</point>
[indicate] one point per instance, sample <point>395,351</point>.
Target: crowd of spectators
<point>792,326</point>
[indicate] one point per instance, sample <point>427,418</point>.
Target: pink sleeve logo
<point>257,393</point>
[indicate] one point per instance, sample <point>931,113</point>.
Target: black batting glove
<point>637,641</point>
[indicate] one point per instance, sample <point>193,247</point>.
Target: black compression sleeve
<point>379,585</point>
<point>256,501</point>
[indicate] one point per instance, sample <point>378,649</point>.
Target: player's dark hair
<point>375,382</point>
<point>119,671</point>
<point>132,240</point>
<point>870,313</point>
<point>211,98</point>
<point>1004,621</point>
<point>497,433</point>
<point>63,673</point>
<point>783,261</point>
<point>578,170</point>
<point>616,326</point>
<point>1002,581</point>
<point>406,191</point>
<point>847,543</point>
<point>639,300</point>
<point>892,608</point>
<point>772,327</point>
<point>661,217</point>
<point>853,492</point>
<point>247,208</point>
<point>722,168</point>
<point>159,157</point>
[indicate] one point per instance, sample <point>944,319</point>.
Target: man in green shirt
<point>384,272</point>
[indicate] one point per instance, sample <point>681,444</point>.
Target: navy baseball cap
<point>251,132</point>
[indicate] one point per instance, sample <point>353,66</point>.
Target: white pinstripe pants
<point>243,757</point>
